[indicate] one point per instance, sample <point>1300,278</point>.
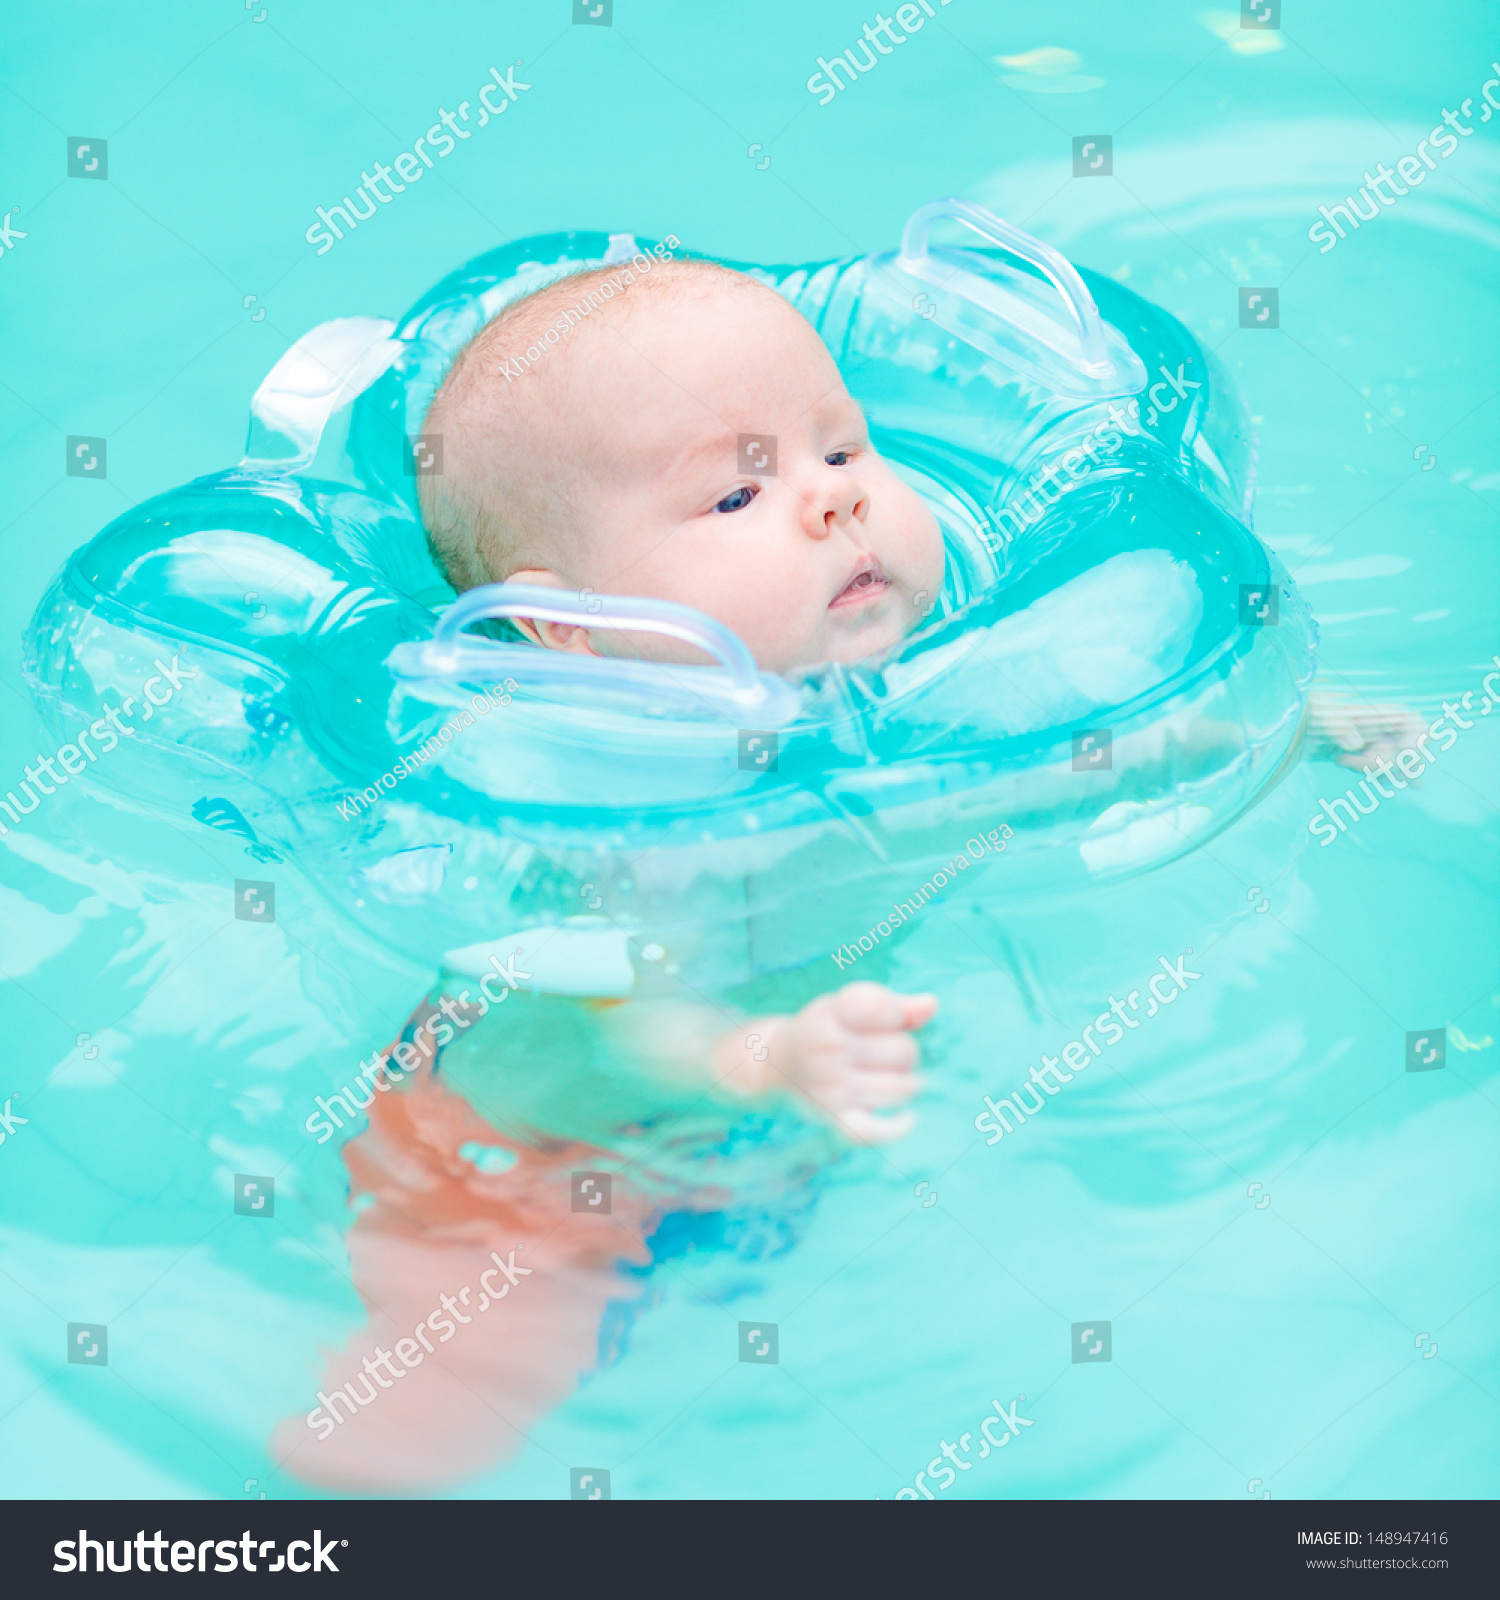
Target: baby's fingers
<point>1383,737</point>
<point>920,1009</point>
<point>883,1052</point>
<point>872,1008</point>
<point>869,1007</point>
<point>873,1089</point>
<point>867,1128</point>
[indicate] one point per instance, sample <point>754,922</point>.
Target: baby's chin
<point>847,640</point>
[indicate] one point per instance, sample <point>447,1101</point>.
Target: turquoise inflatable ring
<point>1093,691</point>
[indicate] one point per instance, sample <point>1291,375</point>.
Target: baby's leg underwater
<point>425,1257</point>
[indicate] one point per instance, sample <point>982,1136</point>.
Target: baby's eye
<point>837,458</point>
<point>738,500</point>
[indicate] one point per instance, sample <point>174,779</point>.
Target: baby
<point>694,441</point>
<point>613,464</point>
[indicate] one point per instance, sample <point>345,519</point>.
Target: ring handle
<point>1055,267</point>
<point>599,611</point>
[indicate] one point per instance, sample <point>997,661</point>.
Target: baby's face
<point>720,462</point>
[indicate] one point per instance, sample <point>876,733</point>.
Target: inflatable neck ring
<point>1114,670</point>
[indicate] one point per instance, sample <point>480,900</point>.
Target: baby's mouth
<point>868,583</point>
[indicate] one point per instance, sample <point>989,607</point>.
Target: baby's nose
<point>840,500</point>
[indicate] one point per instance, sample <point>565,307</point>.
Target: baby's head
<point>612,463</point>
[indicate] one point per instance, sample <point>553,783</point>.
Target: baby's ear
<point>557,635</point>
<point>551,635</point>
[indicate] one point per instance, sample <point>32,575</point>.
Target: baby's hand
<point>1356,735</point>
<point>851,1053</point>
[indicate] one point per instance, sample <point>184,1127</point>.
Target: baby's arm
<point>850,1053</point>
<point>1355,734</point>
<point>1349,732</point>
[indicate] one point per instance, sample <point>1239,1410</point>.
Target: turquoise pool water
<point>1290,1236</point>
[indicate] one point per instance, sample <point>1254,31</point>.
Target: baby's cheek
<point>791,639</point>
<point>937,560</point>
<point>922,543</point>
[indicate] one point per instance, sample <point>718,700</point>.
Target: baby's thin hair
<point>472,538</point>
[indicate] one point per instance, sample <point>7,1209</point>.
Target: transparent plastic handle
<point>599,611</point>
<point>732,687</point>
<point>1057,269</point>
<point>325,369</point>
